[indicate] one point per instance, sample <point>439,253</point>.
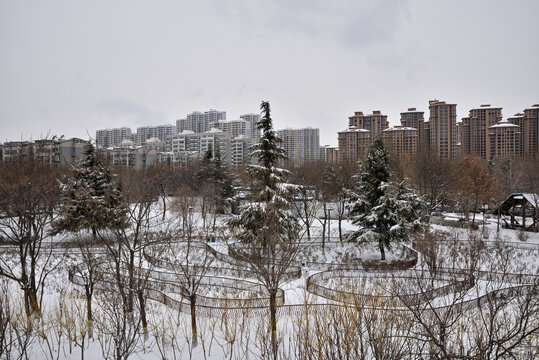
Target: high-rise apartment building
<point>189,144</point>
<point>200,122</point>
<point>375,123</point>
<point>112,137</point>
<point>443,129</point>
<point>353,143</point>
<point>160,132</point>
<point>504,140</point>
<point>401,141</point>
<point>362,130</point>
<point>416,119</point>
<point>332,154</point>
<point>234,127</point>
<point>252,121</point>
<point>518,119</point>
<point>463,136</point>
<point>475,137</point>
<point>240,152</point>
<point>301,145</point>
<point>530,130</point>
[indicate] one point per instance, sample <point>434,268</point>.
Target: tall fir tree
<point>266,225</point>
<point>91,198</point>
<point>271,200</point>
<point>384,211</point>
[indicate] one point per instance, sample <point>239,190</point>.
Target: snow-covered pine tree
<point>384,211</point>
<point>91,198</point>
<point>267,217</point>
<point>266,225</point>
<point>224,181</point>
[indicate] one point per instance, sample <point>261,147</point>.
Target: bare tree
<point>474,186</point>
<point>28,193</point>
<point>432,177</point>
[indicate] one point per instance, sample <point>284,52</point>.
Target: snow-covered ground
<point>63,333</point>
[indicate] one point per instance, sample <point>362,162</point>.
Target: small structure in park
<point>523,210</point>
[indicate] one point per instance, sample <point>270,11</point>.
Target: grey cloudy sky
<point>72,67</point>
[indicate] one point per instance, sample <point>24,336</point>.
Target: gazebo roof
<point>518,199</point>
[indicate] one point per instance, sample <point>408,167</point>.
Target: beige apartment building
<point>362,130</point>
<point>352,144</point>
<point>416,119</point>
<point>443,129</point>
<point>375,123</point>
<point>401,141</point>
<point>474,131</point>
<point>528,123</point>
<point>530,129</point>
<point>518,120</point>
<point>504,140</point>
<point>332,154</point>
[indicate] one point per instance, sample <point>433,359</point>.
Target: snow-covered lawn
<point>62,331</point>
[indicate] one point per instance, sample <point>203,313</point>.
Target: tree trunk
<point>498,223</point>
<point>131,272</point>
<point>90,316</point>
<point>307,224</point>
<point>193,299</point>
<point>273,321</point>
<point>164,207</point>
<point>340,229</point>
<point>142,311</point>
<point>382,251</point>
<point>324,227</point>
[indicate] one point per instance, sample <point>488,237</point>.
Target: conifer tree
<point>384,211</point>
<point>266,225</point>
<point>91,198</point>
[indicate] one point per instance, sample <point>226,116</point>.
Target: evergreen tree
<point>266,225</point>
<point>383,210</point>
<point>91,198</point>
<point>271,200</point>
<point>224,181</point>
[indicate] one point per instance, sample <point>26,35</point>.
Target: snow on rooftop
<point>354,129</point>
<point>399,128</point>
<point>503,124</point>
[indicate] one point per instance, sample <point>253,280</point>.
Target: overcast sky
<point>72,67</point>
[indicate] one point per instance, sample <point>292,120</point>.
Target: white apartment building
<point>301,145</point>
<point>112,137</point>
<point>159,132</point>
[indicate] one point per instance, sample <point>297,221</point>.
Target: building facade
<point>160,132</point>
<point>301,145</point>
<point>353,143</point>
<point>416,119</point>
<point>112,137</point>
<point>58,152</point>
<point>530,132</point>
<point>375,123</point>
<point>443,129</point>
<point>401,141</point>
<point>252,121</point>
<point>504,140</point>
<point>199,122</point>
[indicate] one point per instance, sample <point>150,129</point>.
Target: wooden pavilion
<point>523,210</point>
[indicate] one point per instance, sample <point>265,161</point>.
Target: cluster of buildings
<point>55,151</point>
<point>190,137</point>
<point>483,133</point>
